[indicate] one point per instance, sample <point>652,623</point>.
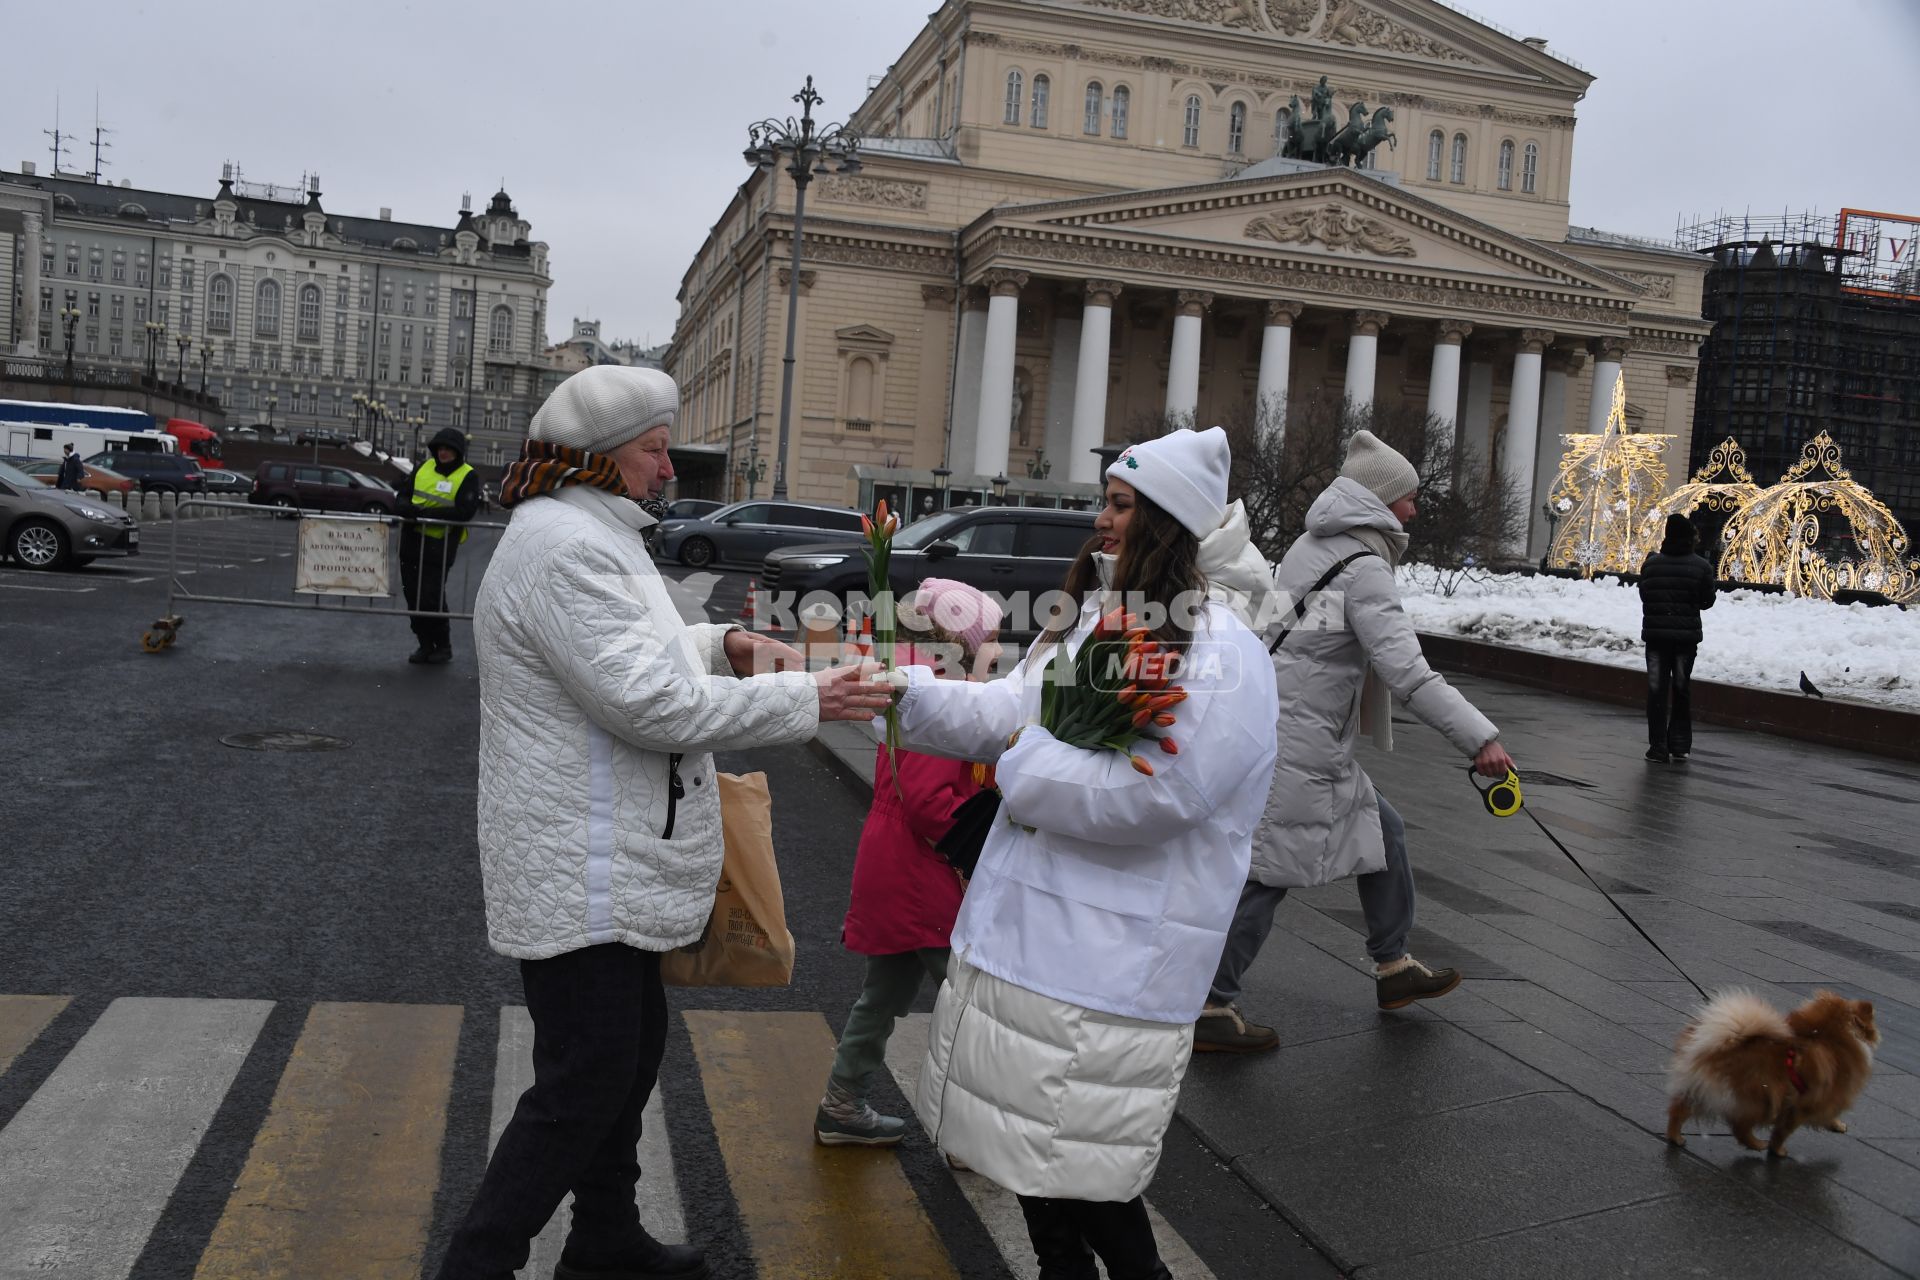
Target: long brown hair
<point>1159,562</point>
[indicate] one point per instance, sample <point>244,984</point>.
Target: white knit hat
<point>601,408</point>
<point>1379,468</point>
<point>1184,473</point>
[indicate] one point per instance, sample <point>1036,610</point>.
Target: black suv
<point>999,549</point>
<point>320,488</point>
<point>153,472</point>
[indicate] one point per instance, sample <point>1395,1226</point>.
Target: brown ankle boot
<point>1398,983</point>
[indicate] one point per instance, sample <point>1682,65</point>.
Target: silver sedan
<point>44,528</point>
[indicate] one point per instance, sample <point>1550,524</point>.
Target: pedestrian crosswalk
<point>344,1164</point>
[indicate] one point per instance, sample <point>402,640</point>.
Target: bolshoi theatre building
<point>1078,221</point>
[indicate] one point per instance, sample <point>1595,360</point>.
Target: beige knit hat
<point>601,408</point>
<point>1378,467</point>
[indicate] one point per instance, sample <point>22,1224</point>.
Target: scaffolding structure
<point>1816,329</point>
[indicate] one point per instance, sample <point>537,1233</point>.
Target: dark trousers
<point>1670,679</point>
<point>1066,1235</point>
<point>599,1029</point>
<point>424,563</point>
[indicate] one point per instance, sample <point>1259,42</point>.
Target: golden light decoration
<point>1722,484</point>
<point>1791,534</point>
<point>1608,483</point>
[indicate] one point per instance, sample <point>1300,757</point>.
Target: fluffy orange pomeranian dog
<point>1742,1061</point>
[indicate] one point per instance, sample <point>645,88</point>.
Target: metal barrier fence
<point>334,563</point>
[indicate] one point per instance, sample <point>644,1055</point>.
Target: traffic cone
<point>750,611</point>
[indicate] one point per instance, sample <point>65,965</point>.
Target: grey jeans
<point>1386,897</point>
<point>892,983</point>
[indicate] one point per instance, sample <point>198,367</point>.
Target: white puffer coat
<point>589,681</point>
<point>1323,820</point>
<point>1093,924</point>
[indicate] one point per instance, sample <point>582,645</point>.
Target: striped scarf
<point>548,468</point>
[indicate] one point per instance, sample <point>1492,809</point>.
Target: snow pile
<point>1753,639</point>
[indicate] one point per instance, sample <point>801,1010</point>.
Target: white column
<point>1555,380</point>
<point>1443,385</point>
<point>1362,353</point>
<point>26,334</point>
<point>1063,368</point>
<point>1276,369</point>
<point>1183,368</point>
<point>1521,444</point>
<point>996,373</point>
<point>1090,383</point>
<point>1679,416</point>
<point>1607,355</point>
<point>971,356</point>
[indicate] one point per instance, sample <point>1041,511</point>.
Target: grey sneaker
<point>1401,982</point>
<point>856,1125</point>
<point>1221,1029</point>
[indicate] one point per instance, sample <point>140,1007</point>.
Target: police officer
<point>444,488</point>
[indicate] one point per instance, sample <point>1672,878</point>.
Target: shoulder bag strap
<point>1300,606</point>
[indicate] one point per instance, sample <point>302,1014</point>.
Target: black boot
<point>1057,1244</point>
<point>648,1259</point>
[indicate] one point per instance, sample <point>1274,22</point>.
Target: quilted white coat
<point>1093,924</point>
<point>589,680</point>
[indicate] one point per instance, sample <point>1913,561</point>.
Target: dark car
<point>319,435</point>
<point>692,508</point>
<point>1000,549</point>
<point>153,472</point>
<point>319,487</point>
<point>228,481</point>
<point>746,531</point>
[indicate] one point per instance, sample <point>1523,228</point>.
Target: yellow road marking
<point>22,1019</point>
<point>340,1180</point>
<point>835,1213</point>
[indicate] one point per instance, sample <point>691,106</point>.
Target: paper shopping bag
<point>746,943</point>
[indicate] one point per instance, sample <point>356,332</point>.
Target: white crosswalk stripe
<point>88,1163</point>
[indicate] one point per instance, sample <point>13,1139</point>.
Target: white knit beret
<point>1185,474</point>
<point>601,408</point>
<point>1378,467</point>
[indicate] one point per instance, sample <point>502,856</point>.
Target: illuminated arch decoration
<point>1608,485</point>
<point>1794,534</point>
<point>1722,484</point>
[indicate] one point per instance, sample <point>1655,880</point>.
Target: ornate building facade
<point>1081,219</point>
<point>286,309</point>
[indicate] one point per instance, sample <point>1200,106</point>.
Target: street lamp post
<point>180,373</point>
<point>940,477</point>
<point>416,422</point>
<point>206,353</point>
<point>999,484</point>
<point>805,153</point>
<point>156,334</point>
<point>1552,513</point>
<point>70,320</point>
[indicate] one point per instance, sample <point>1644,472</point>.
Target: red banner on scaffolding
<point>1882,255</point>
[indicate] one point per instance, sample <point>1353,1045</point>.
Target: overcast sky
<point>618,127</point>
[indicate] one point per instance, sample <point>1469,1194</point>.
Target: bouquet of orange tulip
<point>1115,693</point>
<point>875,638</point>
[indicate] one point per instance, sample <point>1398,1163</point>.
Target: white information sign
<point>342,558</point>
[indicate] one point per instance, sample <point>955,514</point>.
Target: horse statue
<point>1307,136</point>
<point>1357,140</point>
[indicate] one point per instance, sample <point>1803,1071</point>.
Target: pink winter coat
<point>905,895</point>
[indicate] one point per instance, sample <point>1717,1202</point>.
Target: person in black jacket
<point>72,474</point>
<point>446,492</point>
<point>1676,583</point>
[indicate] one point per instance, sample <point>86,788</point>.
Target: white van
<point>41,440</point>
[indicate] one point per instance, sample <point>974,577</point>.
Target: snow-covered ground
<point>1757,640</point>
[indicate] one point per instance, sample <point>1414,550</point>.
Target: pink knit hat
<point>966,613</point>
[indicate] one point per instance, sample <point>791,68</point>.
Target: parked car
<point>746,531</point>
<point>93,479</point>
<point>153,472</point>
<point>320,487</point>
<point>319,435</point>
<point>228,481</point>
<point>252,431</point>
<point>999,549</point>
<point>44,528</point>
<point>692,508</point>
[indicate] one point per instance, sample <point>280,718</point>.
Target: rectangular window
<point>93,306</point>
<point>119,306</point>
<point>459,379</point>
<point>406,305</point>
<point>460,345</point>
<point>463,304</point>
<point>160,310</point>
<point>120,271</point>
<point>166,276</point>
<point>433,305</point>
<point>140,275</point>
<point>340,294</point>
<point>186,277</point>
<point>406,337</point>
<point>93,271</point>
<point>113,344</point>
<point>140,310</point>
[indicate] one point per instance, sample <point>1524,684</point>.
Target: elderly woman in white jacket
<point>1100,905</point>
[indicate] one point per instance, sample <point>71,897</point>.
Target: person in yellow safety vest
<point>445,488</point>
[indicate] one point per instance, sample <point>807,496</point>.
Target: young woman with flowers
<point>905,894</point>
<point>1093,922</point>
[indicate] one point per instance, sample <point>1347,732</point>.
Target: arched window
<point>1042,89</point>
<point>309,313</point>
<point>1237,129</point>
<point>1122,100</point>
<point>1436,143</point>
<point>1506,164</point>
<point>500,330</point>
<point>1459,169</point>
<point>220,304</point>
<point>1191,136</point>
<point>1530,168</point>
<point>266,310</point>
<point>1016,90</point>
<point>1096,101</point>
<point>860,391</point>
